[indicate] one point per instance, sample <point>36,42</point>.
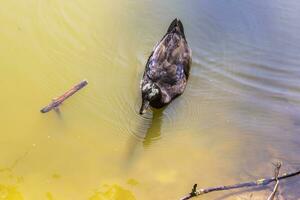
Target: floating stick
<point>57,101</point>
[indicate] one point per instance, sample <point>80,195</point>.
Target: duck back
<point>169,64</point>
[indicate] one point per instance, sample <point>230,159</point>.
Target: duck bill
<point>144,107</point>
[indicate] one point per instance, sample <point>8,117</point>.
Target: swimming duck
<point>167,69</point>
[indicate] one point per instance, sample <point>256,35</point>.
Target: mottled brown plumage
<point>167,69</point>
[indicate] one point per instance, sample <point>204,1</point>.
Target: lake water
<point>239,113</point>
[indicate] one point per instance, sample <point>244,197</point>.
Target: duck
<point>167,69</point>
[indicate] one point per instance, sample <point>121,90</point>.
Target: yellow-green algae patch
<point>9,193</point>
<point>113,192</point>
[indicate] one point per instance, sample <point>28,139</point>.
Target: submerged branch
<point>276,174</point>
<point>58,101</point>
<point>260,182</point>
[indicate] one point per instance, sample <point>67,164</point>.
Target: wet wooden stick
<point>57,101</point>
<point>260,182</point>
<point>276,174</point>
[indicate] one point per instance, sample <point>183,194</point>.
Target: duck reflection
<point>143,137</point>
<point>154,131</point>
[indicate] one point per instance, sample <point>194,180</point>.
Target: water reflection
<point>58,112</point>
<point>154,131</point>
<point>132,152</point>
<point>144,135</point>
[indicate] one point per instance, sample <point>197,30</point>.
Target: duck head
<point>151,94</point>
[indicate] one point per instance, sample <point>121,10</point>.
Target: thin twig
<point>276,173</point>
<point>260,182</point>
<point>57,101</point>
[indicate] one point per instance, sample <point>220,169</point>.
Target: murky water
<point>239,113</point>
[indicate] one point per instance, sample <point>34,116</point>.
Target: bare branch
<point>276,173</point>
<point>260,182</point>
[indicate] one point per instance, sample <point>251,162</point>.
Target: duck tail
<point>176,23</point>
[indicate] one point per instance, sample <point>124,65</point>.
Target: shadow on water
<point>154,131</point>
<point>143,137</point>
<point>58,112</point>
